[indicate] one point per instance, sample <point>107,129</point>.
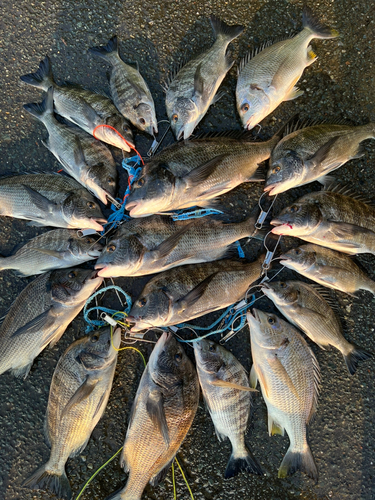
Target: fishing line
<point>263,214</point>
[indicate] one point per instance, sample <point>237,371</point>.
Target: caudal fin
<point>39,110</point>
<point>296,460</point>
<point>43,77</point>
<point>108,51</point>
<point>319,29</point>
<point>354,357</point>
<point>42,479</point>
<point>246,463</point>
<point>222,29</point>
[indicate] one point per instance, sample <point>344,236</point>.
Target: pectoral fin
<point>231,385</point>
<point>191,298</point>
<point>40,201</point>
<point>282,374</point>
<point>51,253</point>
<point>169,244</point>
<point>155,410</point>
<point>82,393</point>
<point>322,154</point>
<point>200,174</point>
<point>253,377</point>
<point>42,322</point>
<point>198,84</point>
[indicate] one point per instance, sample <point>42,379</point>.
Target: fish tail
<point>319,29</point>
<point>108,52</point>
<point>354,357</point>
<point>370,128</point>
<point>298,460</point>
<point>40,110</point>
<point>43,479</point>
<point>221,29</point>
<point>43,77</point>
<point>247,463</point>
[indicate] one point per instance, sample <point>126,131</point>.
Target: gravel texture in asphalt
<point>158,34</point>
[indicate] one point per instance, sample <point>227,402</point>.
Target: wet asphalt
<point>340,85</point>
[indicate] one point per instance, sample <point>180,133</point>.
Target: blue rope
<point>194,214</point>
<point>92,323</point>
<point>241,253</point>
<point>233,316</point>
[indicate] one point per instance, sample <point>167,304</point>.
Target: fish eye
<point>72,274</point>
<point>91,204</point>
<point>111,248</point>
<point>89,240</point>
<point>126,129</point>
<point>293,209</point>
<point>175,117</point>
<point>271,320</point>
<point>140,182</point>
<point>283,284</point>
<point>142,302</point>
<point>297,251</point>
<point>276,169</point>
<point>94,338</point>
<point>111,181</point>
<point>211,348</point>
<point>178,357</point>
<point>142,121</point>
<point>245,107</point>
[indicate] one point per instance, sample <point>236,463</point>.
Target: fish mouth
<point>104,271</point>
<point>94,254</point>
<point>281,227</point>
<point>132,207</point>
<point>95,224</point>
<point>116,338</point>
<point>272,189</point>
<point>253,315</point>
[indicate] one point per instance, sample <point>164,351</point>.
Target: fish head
<point>111,135</point>
<point>208,355</point>
<point>168,362</point>
<point>253,107</point>
<point>122,125</point>
<point>101,181</point>
<point>81,211</point>
<point>145,119</point>
<point>281,292</point>
<point>299,219</point>
<point>121,256</point>
<point>299,259</point>
<point>99,348</point>
<point>74,285</point>
<point>86,245</point>
<point>284,173</point>
<point>184,117</point>
<point>151,309</point>
<point>152,192</point>
<point>267,330</point>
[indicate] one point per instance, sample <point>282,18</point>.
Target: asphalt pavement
<point>159,34</point>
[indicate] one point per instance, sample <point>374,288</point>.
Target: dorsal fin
<point>324,293</point>
<point>228,134</point>
<point>175,69</point>
<point>316,370</point>
<point>346,190</point>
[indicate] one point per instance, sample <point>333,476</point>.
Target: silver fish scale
<point>69,435</point>
<point>145,453</point>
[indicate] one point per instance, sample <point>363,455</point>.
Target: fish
<point>93,112</point>
<point>163,411</point>
<point>227,394</point>
<point>78,396</point>
<point>268,75</point>
<point>335,217</point>
<point>56,249</point>
<point>196,172</point>
<point>328,268</point>
<point>87,160</point>
<point>311,310</point>
<point>41,314</point>
<point>49,200</point>
<point>193,89</point>
<point>154,244</point>
<point>129,91</point>
<point>188,292</point>
<point>310,153</point>
<point>289,377</point>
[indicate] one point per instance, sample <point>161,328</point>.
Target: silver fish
<point>268,76</point>
<point>87,160</point>
<point>78,396</point>
<point>41,314</point>
<point>226,391</point>
<point>310,309</point>
<point>49,200</point>
<point>328,268</point>
<point>129,91</point>
<point>289,377</point>
<point>55,249</point>
<point>163,411</point>
<point>307,154</point>
<point>193,89</point>
<point>157,243</point>
<point>335,218</point>
<point>188,292</point>
<point>93,112</point>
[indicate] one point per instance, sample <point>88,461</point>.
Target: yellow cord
<point>174,483</point>
<point>183,475</point>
